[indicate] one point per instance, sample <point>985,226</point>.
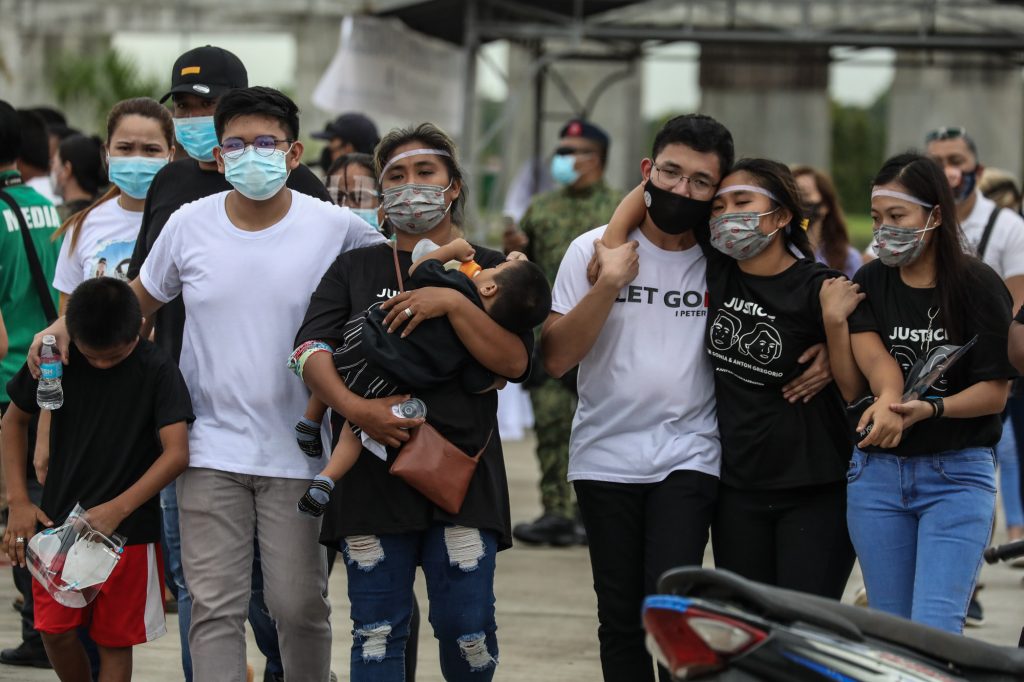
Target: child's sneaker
<point>307,434</point>
<point>314,502</point>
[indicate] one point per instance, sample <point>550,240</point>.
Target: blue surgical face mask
<point>197,135</point>
<point>369,215</point>
<point>255,176</point>
<point>563,169</point>
<point>134,174</point>
<point>968,181</point>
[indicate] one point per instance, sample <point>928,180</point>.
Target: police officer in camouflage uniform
<point>582,202</point>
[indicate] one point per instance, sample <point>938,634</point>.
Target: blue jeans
<point>1009,476</point>
<point>458,564</point>
<point>263,628</point>
<point>920,525</point>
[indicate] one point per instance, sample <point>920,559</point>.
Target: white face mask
<point>89,562</point>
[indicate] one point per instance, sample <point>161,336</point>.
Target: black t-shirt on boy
<point>106,435</point>
<point>757,328</point>
<point>368,499</point>
<point>177,184</point>
<point>911,323</point>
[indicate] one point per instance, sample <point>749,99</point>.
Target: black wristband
<point>937,405</point>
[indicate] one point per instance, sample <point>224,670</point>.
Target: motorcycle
<point>715,625</point>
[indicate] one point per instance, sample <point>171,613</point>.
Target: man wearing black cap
<point>551,223</point>
<point>350,132</point>
<point>198,79</point>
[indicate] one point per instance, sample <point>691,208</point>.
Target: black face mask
<point>811,210</point>
<point>674,213</point>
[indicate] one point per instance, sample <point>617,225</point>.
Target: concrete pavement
<point>547,623</point>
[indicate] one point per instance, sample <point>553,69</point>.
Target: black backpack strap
<point>983,244</point>
<point>34,266</point>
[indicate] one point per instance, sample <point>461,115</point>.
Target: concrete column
<point>773,99</point>
<point>316,42</point>
<point>982,92</point>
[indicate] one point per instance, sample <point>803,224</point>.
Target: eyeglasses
<point>668,178</point>
<point>265,145</point>
<point>360,198</point>
<point>946,133</point>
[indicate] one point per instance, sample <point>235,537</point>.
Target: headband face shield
<point>898,246</point>
<point>73,560</point>
<point>738,234</point>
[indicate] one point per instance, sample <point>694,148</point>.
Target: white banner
<point>394,75</point>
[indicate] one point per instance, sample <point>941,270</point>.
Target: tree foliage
<point>858,149</point>
<point>95,83</point>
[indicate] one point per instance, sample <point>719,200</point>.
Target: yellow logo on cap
<point>189,70</point>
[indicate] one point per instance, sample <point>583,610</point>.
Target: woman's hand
<point>22,520</point>
<point>817,376</point>
<point>60,332</point>
<point>413,307</point>
<point>516,255</point>
<point>839,298</point>
<point>105,517</point>
<point>913,411</point>
<point>380,423</point>
<point>886,427</point>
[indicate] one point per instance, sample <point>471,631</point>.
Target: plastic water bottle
<point>50,394</point>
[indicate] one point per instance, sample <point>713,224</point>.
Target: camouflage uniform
<point>553,220</point>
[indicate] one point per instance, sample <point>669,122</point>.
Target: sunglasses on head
<point>945,133</point>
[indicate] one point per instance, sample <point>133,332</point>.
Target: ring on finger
<point>408,312</point>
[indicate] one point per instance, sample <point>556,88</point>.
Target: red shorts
<point>129,609</point>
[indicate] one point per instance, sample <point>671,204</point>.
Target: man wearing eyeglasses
<point>199,78</point>
<point>551,223</point>
<point>645,452</point>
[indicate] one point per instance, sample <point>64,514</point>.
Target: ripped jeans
<point>458,564</point>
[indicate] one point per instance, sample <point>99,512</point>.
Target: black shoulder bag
<point>34,266</point>
<point>983,244</point>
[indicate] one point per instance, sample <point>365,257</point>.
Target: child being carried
<point>374,363</point>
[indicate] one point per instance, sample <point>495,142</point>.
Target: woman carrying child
<point>384,527</point>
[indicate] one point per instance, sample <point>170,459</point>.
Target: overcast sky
<point>670,74</point>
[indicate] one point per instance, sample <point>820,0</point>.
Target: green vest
<point>19,303</point>
<point>556,218</point>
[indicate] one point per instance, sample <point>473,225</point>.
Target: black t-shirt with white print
<point>368,499</point>
<point>106,435</point>
<point>757,328</point>
<point>911,323</point>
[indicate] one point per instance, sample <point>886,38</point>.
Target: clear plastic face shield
<point>72,561</point>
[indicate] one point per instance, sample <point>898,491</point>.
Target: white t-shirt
<point>647,396</point>
<point>104,247</point>
<point>245,296</point>
<point>1005,250</point>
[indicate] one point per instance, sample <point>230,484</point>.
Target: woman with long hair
<point>922,482</point>
<point>98,241</point>
<point>826,224</point>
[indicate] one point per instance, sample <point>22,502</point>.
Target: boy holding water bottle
<point>118,435</point>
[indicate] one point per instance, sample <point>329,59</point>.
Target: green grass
<point>859,226</point>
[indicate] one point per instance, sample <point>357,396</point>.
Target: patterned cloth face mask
<point>898,246</point>
<point>415,208</point>
<point>739,235</point>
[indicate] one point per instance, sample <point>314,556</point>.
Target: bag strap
<point>34,266</point>
<point>983,244</point>
<point>398,268</point>
<point>486,443</point>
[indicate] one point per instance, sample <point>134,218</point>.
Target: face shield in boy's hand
<point>73,561</point>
